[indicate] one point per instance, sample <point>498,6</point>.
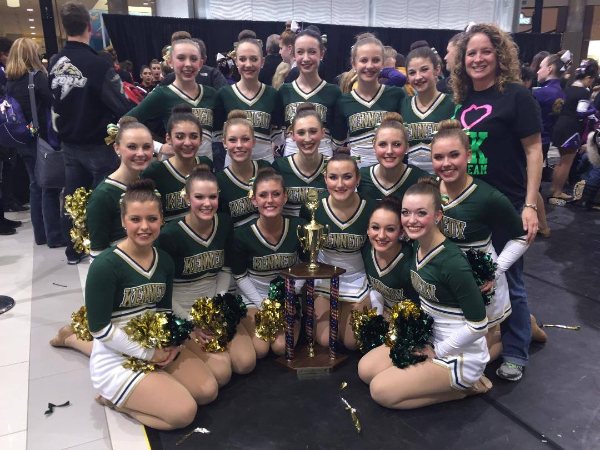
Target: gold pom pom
<point>404,309</point>
<point>139,365</point>
<point>150,330</point>
<point>111,131</point>
<point>79,323</point>
<point>270,320</point>
<point>75,206</point>
<point>207,316</point>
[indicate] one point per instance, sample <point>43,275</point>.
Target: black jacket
<point>18,89</point>
<point>87,94</point>
<point>268,69</point>
<point>207,76</point>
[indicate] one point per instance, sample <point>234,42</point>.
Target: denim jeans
<point>516,329</point>
<point>44,204</point>
<point>86,166</point>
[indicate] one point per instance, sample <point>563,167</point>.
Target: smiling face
<point>419,215</point>
<point>269,198</point>
<point>390,147</point>
<point>307,54</point>
<point>239,142</point>
<point>307,135</point>
<point>384,230</point>
<point>248,60</point>
<point>203,198</point>
<point>185,137</point>
<point>481,61</point>
<point>422,74</point>
<point>368,62</point>
<point>185,60</point>
<point>341,179</point>
<point>135,148</point>
<point>142,221</point>
<point>450,159</point>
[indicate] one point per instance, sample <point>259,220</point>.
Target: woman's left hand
<point>530,223</point>
<point>487,287</point>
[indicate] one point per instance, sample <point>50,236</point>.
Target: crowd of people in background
<point>416,159</point>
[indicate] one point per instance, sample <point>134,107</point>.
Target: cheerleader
<point>387,259</point>
<point>358,112</point>
<point>429,106</point>
<point>184,134</point>
<point>126,281</point>
<point>309,87</point>
<point>347,215</point>
<point>259,101</point>
<point>133,145</point>
<point>447,290</point>
<point>390,177</point>
<point>235,181</point>
<point>472,211</point>
<point>197,243</point>
<point>305,168</point>
<point>262,249</point>
<point>186,60</point>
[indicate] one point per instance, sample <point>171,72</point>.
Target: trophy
<point>312,237</point>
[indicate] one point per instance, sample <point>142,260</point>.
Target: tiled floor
<point>33,373</point>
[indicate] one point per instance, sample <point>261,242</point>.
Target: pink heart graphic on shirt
<point>487,110</point>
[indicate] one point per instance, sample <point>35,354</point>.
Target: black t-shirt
<point>497,121</point>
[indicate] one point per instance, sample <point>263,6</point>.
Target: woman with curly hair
<point>504,126</point>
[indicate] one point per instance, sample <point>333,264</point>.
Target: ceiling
<point>15,22</point>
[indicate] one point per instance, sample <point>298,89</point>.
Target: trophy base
<point>308,367</point>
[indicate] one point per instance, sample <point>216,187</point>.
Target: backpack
<point>14,129</point>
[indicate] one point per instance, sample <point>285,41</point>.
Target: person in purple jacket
<point>551,97</point>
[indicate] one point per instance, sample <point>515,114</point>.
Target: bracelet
<point>530,205</point>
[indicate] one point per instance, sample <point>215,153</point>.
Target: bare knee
<point>380,393</point>
<point>206,392</point>
<point>182,414</point>
<point>243,364</point>
<point>262,348</point>
<point>350,343</point>
<point>365,370</point>
<point>222,374</point>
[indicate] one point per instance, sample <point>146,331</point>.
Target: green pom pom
<point>484,270</point>
<point>407,335</point>
<point>179,329</point>
<point>233,309</point>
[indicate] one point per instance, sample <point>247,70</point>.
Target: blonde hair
<point>364,39</point>
<point>23,58</point>
<point>237,117</point>
<point>392,120</point>
<point>508,69</point>
<point>282,71</point>
<point>451,128</point>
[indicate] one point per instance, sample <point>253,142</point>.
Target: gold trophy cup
<point>310,360</point>
<point>313,235</point>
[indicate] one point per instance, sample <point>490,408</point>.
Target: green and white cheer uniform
<point>103,215</point>
<point>297,184</point>
<point>343,249</point>
<point>117,290</point>
<point>469,221</point>
<point>371,187</point>
<point>448,293</point>
<point>233,195</point>
<point>422,125</point>
<point>169,183</point>
<point>202,267</point>
<point>159,103</point>
<point>357,119</point>
<point>323,97</point>
<point>264,111</point>
<point>256,262</point>
<point>391,284</point>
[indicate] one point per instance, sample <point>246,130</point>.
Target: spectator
<point>272,60</point>
<point>45,202</point>
<point>87,96</point>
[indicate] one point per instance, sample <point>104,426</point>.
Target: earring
<point>437,222</point>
